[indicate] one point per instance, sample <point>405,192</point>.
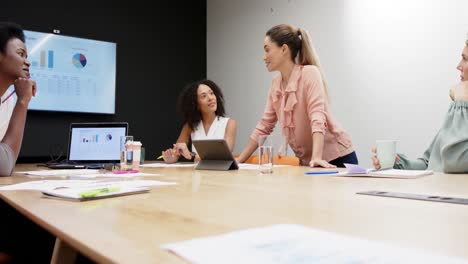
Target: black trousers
<point>350,158</point>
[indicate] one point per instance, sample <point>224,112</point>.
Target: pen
<point>94,193</point>
<point>322,172</point>
<point>162,155</point>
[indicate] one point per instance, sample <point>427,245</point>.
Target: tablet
<point>214,155</point>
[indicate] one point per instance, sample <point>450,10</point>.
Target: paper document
<point>48,185</point>
<point>114,175</point>
<point>165,165</point>
<point>58,173</point>
<point>356,170</point>
<point>248,166</point>
<point>129,175</point>
<point>44,185</point>
<point>146,183</point>
<point>82,174</point>
<point>281,244</point>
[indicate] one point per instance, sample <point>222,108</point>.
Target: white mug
<point>386,153</point>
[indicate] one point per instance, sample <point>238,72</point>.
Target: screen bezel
<point>57,33</point>
<point>94,125</point>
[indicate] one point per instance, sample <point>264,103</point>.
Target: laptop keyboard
<point>76,166</point>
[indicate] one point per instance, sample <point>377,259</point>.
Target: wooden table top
<point>130,229</point>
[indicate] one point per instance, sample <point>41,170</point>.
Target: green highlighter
<point>96,192</point>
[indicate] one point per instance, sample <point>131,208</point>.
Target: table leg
<point>63,253</point>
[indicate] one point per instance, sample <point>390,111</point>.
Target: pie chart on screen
<point>79,60</point>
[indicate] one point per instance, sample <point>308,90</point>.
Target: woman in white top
<point>21,241</point>
<point>14,70</point>
<point>202,105</point>
<point>7,105</point>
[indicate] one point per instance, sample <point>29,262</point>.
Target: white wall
<point>389,63</point>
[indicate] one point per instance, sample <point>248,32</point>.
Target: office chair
<point>277,160</point>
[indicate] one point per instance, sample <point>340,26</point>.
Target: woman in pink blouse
<point>298,99</point>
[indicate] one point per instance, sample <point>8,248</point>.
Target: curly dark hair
<point>9,30</point>
<point>187,104</point>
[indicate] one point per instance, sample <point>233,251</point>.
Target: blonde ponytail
<point>308,56</point>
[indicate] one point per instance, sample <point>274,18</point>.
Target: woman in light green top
<point>448,151</point>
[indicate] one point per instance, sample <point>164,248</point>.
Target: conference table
<point>131,229</point>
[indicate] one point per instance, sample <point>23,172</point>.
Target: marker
<point>321,172</point>
<point>96,192</point>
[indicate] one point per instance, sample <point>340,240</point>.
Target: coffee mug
<point>386,153</point>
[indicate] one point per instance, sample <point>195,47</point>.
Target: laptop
<point>214,155</point>
<point>92,145</point>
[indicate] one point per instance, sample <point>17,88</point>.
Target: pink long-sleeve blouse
<point>302,109</point>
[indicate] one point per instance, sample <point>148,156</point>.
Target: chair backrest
<point>278,160</point>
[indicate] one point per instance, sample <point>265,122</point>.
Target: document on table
<point>58,173</point>
<point>83,174</point>
<point>280,244</point>
<point>146,183</point>
<point>165,165</point>
<point>128,175</point>
<point>47,185</point>
<point>44,185</point>
<point>114,175</point>
<point>248,166</point>
<point>354,170</point>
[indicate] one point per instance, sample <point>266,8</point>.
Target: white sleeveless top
<point>217,130</point>
<point>6,109</point>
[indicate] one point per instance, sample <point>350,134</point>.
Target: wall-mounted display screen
<point>72,74</point>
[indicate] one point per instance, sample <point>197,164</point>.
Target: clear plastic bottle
<point>129,156</point>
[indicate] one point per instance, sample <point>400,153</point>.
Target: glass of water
<point>265,154</point>
<point>126,152</point>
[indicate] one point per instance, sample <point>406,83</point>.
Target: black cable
<point>55,153</point>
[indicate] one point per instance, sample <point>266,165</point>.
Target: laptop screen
<point>96,142</point>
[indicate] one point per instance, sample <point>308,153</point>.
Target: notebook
<point>94,191</point>
<point>91,145</point>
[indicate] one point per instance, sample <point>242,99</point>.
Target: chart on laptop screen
<point>95,143</point>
